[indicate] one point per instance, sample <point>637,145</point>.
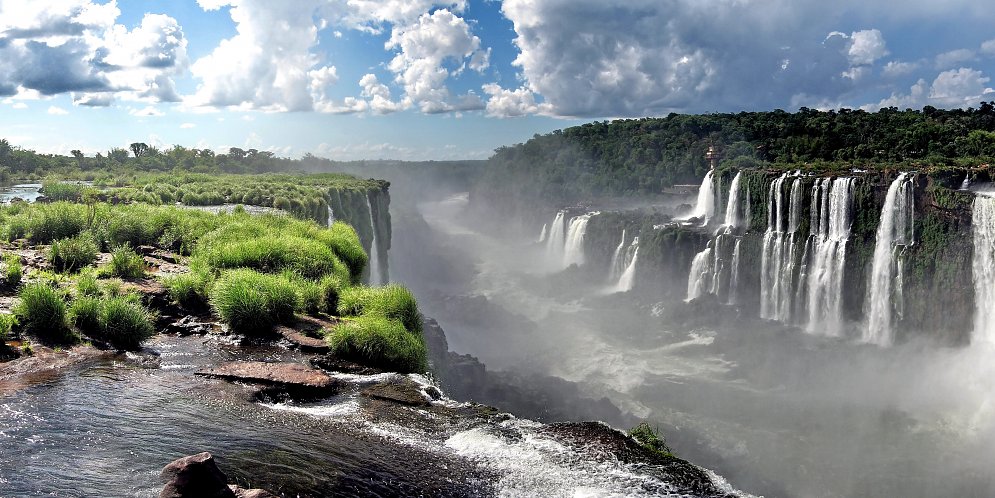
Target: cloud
<point>988,47</point>
<point>187,126</point>
<point>894,69</point>
<point>379,95</point>
<point>510,103</point>
<point>19,105</point>
<point>953,58</point>
<point>148,111</point>
<point>954,88</point>
<point>75,46</point>
<point>57,111</point>
<point>866,47</point>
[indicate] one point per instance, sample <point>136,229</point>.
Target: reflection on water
<point>26,191</point>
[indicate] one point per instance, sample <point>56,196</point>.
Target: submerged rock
<point>404,391</point>
<point>293,379</point>
<point>302,341</point>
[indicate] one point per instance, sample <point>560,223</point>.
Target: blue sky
<point>426,79</point>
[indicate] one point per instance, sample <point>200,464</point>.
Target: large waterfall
<point>717,275</point>
<point>732,209</point>
<point>704,208</point>
<point>777,264</point>
<point>376,277</point>
<point>628,276</point>
<point>894,233</point>
<point>700,276</point>
<point>983,222</point>
<point>829,238</point>
<point>573,251</point>
<point>555,239</point>
<point>618,264</point>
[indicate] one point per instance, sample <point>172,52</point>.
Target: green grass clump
<point>251,302</point>
<point>331,288</point>
<point>42,224</point>
<point>188,289</point>
<point>650,438</point>
<point>7,322</point>
<point>86,284</point>
<point>126,263</point>
<point>273,253</point>
<point>73,254</point>
<point>118,320</point>
<point>12,270</point>
<point>378,342</point>
<point>42,311</point>
<point>343,239</point>
<point>312,297</point>
<point>390,301</point>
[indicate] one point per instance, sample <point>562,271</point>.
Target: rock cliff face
<point>368,211</point>
<point>937,294</point>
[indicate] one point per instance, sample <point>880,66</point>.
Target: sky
<point>426,79</point>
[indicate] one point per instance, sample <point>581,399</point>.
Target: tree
<point>139,149</point>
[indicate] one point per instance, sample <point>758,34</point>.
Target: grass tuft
<point>118,320</point>
<point>12,270</point>
<point>378,342</point>
<point>252,303</point>
<point>393,302</point>
<point>73,254</point>
<point>126,263</point>
<point>42,312</point>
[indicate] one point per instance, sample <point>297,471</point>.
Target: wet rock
<point>293,379</point>
<point>435,342</point>
<point>251,493</point>
<point>195,476</point>
<point>188,325</point>
<point>332,363</point>
<point>302,341</point>
<point>404,391</point>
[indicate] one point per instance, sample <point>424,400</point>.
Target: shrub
<point>72,254</point>
<point>378,342</point>
<point>41,311</point>
<point>391,301</point>
<point>54,221</point>
<point>12,270</point>
<point>59,191</point>
<point>251,302</point>
<point>126,263</point>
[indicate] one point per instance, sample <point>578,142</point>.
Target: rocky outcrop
<point>198,476</point>
<point>292,379</point>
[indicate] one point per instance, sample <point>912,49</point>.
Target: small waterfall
<point>825,276</point>
<point>573,252</point>
<point>704,208</point>
<point>375,273</point>
<point>628,276</point>
<point>556,239</point>
<point>732,208</point>
<point>700,277</point>
<point>886,277</point>
<point>542,235</point>
<point>983,265</point>
<point>966,184</point>
<point>734,278</point>
<point>618,264</point>
<point>331,217</point>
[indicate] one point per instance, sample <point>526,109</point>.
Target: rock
<point>403,391</point>
<point>195,476</point>
<point>188,325</point>
<point>302,341</point>
<point>293,379</point>
<point>332,363</point>
<point>435,342</point>
<point>251,493</point>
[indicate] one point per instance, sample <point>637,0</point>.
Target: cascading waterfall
<point>700,277</point>
<point>376,277</point>
<point>573,252</point>
<point>628,276</point>
<point>542,235</point>
<point>983,265</point>
<point>732,208</point>
<point>734,278</point>
<point>704,208</point>
<point>966,184</point>
<point>777,262</point>
<point>825,276</point>
<point>886,277</point>
<point>331,216</point>
<point>618,265</point>
<point>556,239</point>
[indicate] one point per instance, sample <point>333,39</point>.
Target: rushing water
<point>983,263</point>
<point>778,254</point>
<point>556,239</point>
<point>376,275</point>
<point>573,251</point>
<point>26,191</point>
<point>618,262</point>
<point>701,275</point>
<point>825,275</point>
<point>704,207</point>
<point>628,259</point>
<point>893,235</point>
<point>732,219</point>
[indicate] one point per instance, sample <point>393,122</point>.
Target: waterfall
<point>331,217</point>
<point>573,252</point>
<point>618,265</point>
<point>983,264</point>
<point>375,273</point>
<point>628,276</point>
<point>700,277</point>
<point>734,277</point>
<point>542,235</point>
<point>825,276</point>
<point>892,236</point>
<point>732,208</point>
<point>778,256</point>
<point>966,184</point>
<point>556,239</point>
<point>704,208</point>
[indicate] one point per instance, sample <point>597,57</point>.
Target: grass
<point>189,290</point>
<point>126,263</point>
<point>378,342</point>
<point>12,270</point>
<point>7,322</point>
<point>331,288</point>
<point>41,311</point>
<point>118,320</point>
<point>391,301</point>
<point>650,438</point>
<point>73,254</point>
<point>252,303</point>
<point>86,284</point>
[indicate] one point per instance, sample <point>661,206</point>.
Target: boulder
<point>301,341</point>
<point>251,493</point>
<point>403,391</point>
<point>294,379</point>
<point>195,476</point>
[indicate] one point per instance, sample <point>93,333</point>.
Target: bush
<point>378,342</point>
<point>12,270</point>
<point>126,263</point>
<point>251,302</point>
<point>188,289</point>
<point>72,254</point>
<point>41,311</point>
<point>391,301</point>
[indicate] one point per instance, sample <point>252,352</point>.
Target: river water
<point>776,410</point>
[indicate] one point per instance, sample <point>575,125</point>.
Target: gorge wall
<point>368,211</point>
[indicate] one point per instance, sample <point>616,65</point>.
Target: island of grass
<point>78,271</point>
